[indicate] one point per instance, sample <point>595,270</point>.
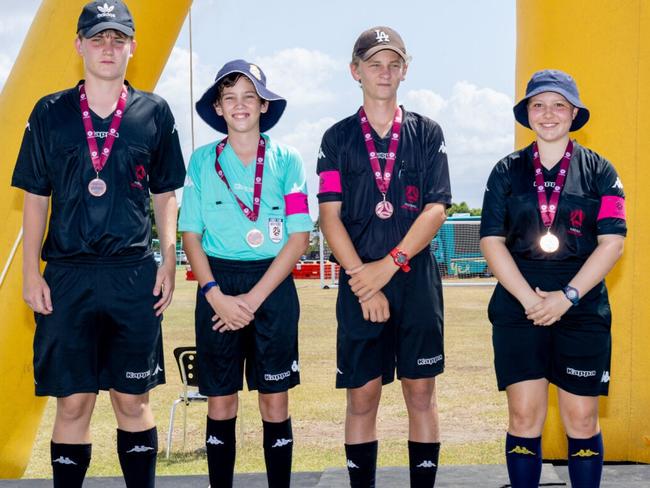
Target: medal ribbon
<point>383,181</point>
<point>548,208</point>
<point>257,187</point>
<point>99,161</point>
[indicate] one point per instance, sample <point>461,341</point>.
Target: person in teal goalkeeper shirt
<point>245,223</point>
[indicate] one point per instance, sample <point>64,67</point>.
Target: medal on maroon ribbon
<point>254,238</point>
<point>548,207</point>
<point>384,209</point>
<point>549,243</point>
<point>97,187</point>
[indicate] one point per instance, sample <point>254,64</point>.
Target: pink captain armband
<point>612,207</point>
<point>296,203</point>
<point>329,182</point>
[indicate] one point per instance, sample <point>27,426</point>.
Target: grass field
<point>473,414</point>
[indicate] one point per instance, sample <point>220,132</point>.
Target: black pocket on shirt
<point>138,169</point>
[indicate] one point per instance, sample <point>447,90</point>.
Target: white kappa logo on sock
<point>281,442</point>
<point>64,460</point>
<point>426,464</point>
<point>214,441</point>
<point>140,449</point>
<point>351,465</point>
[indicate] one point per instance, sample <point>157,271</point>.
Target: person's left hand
<point>165,282</point>
<point>553,306</point>
<point>250,299</point>
<point>368,279</point>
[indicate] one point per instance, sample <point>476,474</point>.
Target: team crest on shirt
<point>276,231</point>
<point>140,174</point>
<point>411,195</point>
<point>576,217</point>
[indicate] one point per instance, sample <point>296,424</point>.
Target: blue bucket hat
<point>551,80</point>
<point>277,104</point>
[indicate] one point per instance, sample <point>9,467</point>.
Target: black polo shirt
<point>592,203</point>
<point>54,160</point>
<point>420,177</point>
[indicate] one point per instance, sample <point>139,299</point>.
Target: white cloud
<point>300,75</point>
<point>306,137</point>
<point>5,68</point>
<point>479,130</point>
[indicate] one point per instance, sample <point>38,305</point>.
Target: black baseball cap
<point>102,15</point>
<point>378,39</point>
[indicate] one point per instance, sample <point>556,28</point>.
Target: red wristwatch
<point>401,259</point>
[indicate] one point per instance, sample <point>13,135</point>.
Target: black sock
<point>423,463</point>
<point>362,464</point>
<point>137,452</point>
<point>221,444</point>
<point>69,464</point>
<point>278,450</point>
<point>524,460</point>
<point>586,461</point>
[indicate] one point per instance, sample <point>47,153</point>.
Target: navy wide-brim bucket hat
<point>551,80</point>
<point>277,104</point>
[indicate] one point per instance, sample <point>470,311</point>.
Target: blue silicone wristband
<point>208,286</point>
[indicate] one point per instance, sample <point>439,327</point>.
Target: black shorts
<point>573,354</point>
<point>267,347</point>
<point>103,333</point>
<point>411,339</point>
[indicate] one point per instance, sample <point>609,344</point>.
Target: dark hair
<point>229,81</point>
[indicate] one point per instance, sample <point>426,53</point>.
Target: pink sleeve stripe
<point>612,207</point>
<point>330,182</point>
<point>296,203</point>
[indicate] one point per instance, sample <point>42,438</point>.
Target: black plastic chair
<point>186,361</point>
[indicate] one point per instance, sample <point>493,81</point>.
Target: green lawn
<point>473,414</point>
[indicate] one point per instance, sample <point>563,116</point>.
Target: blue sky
<point>462,73</point>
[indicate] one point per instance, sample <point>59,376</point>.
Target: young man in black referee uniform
<point>98,150</point>
<point>384,188</point>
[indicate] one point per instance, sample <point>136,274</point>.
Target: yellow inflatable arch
<point>604,44</point>
<point>48,63</point>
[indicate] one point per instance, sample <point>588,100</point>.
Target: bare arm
<point>36,292</point>
<point>370,278</point>
<point>233,311</point>
<point>165,209</point>
<point>593,271</point>
<point>503,266</point>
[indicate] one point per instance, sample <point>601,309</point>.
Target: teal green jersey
<point>210,209</point>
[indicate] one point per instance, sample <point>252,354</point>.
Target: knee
<point>581,423</point>
<point>362,406</point>
<point>420,400</point>
<point>274,408</point>
<point>130,406</point>
<point>222,407</point>
<point>527,421</point>
<point>74,409</point>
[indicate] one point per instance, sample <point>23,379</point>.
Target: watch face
<point>401,258</point>
<point>572,294</point>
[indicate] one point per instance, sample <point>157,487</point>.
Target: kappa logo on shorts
<point>281,442</point>
<point>130,375</point>
<point>214,441</point>
<point>605,377</point>
<point>429,361</point>
<point>426,464</point>
<point>580,373</point>
<point>295,367</point>
<point>277,377</point>
<point>64,460</point>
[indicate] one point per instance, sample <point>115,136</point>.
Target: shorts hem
<point>421,376</point>
<point>503,384</point>
<point>577,391</point>
<point>350,384</point>
<point>45,392</point>
<point>132,391</point>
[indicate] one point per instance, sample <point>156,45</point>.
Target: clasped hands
<point>366,282</point>
<point>549,307</point>
<point>231,312</point>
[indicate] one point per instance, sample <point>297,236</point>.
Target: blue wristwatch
<point>572,295</point>
<point>208,286</point>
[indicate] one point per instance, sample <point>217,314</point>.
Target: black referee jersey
<point>420,177</point>
<point>592,203</point>
<point>54,160</point>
